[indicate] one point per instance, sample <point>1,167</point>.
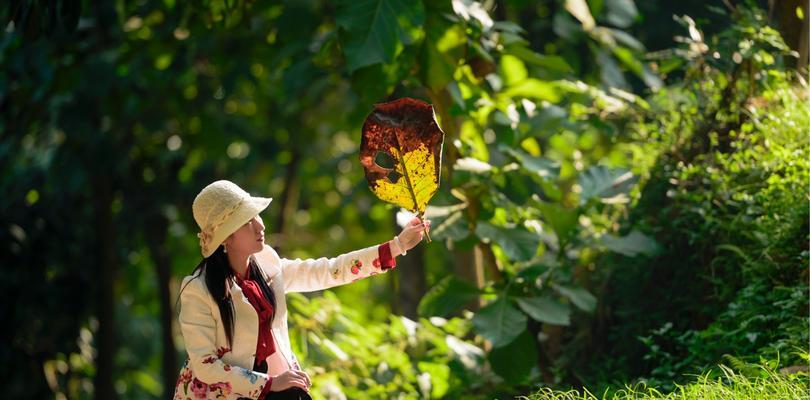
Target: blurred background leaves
<point>623,191</point>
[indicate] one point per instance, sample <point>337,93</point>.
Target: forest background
<point>623,195</point>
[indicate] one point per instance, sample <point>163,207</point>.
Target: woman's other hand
<point>290,378</point>
<point>412,234</point>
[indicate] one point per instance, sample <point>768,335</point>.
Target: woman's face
<point>248,239</point>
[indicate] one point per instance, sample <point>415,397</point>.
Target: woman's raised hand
<point>290,378</point>
<point>412,234</point>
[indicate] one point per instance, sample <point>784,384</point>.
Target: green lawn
<point>729,386</point>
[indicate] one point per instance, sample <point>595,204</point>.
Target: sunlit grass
<point>730,386</point>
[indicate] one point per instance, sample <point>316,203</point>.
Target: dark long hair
<point>217,270</point>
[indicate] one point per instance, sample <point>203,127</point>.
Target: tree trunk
<point>105,301</point>
<point>156,239</point>
<point>411,282</point>
<point>543,360</point>
<point>469,263</point>
<point>469,268</point>
<point>289,197</point>
<point>102,192</point>
<point>795,31</point>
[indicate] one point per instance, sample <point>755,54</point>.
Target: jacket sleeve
<point>323,273</point>
<point>199,333</point>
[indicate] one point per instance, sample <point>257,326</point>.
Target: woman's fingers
<point>304,376</point>
<point>414,232</point>
<point>298,380</point>
<point>300,383</point>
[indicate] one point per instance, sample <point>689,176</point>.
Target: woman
<point>233,315</point>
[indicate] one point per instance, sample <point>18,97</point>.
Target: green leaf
<point>581,298</point>
<point>147,382</point>
<point>546,310</point>
<point>626,39</point>
<point>513,70</point>
<point>377,30</point>
<point>374,82</point>
<point>518,243</point>
<point>439,377</point>
<point>565,26</point>
<point>609,70</point>
<point>605,183</point>
<point>508,26</point>
<point>447,296</point>
<point>499,322</point>
<point>542,166</point>
<point>633,244</point>
<point>163,61</point>
<point>441,50</point>
<point>650,78</point>
<point>562,220</point>
<point>554,63</point>
<point>447,222</point>
<point>621,13</point>
<point>637,66</point>
<point>534,89</point>
<point>514,362</point>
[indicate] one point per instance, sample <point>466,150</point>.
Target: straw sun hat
<point>220,209</point>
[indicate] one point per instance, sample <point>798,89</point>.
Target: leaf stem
<point>407,176</point>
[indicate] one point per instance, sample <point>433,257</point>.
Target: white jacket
<point>215,371</point>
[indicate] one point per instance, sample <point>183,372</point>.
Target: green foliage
<point>500,322</point>
<point>729,385</point>
<point>526,177</point>
<point>361,359</point>
<point>547,310</point>
<point>604,205</point>
<point>377,30</point>
<point>446,296</point>
<point>727,200</point>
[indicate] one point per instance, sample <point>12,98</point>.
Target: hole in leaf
<point>394,176</point>
<point>384,160</point>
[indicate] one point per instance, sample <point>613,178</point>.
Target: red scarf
<point>265,346</point>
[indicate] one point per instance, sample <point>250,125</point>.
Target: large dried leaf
<point>401,153</point>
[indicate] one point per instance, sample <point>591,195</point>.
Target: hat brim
<point>250,208</point>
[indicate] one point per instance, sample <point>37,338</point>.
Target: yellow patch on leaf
<point>417,181</point>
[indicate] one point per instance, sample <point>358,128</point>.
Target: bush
<point>727,199</point>
<point>400,358</point>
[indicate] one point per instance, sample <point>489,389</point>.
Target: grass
<point>729,386</point>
